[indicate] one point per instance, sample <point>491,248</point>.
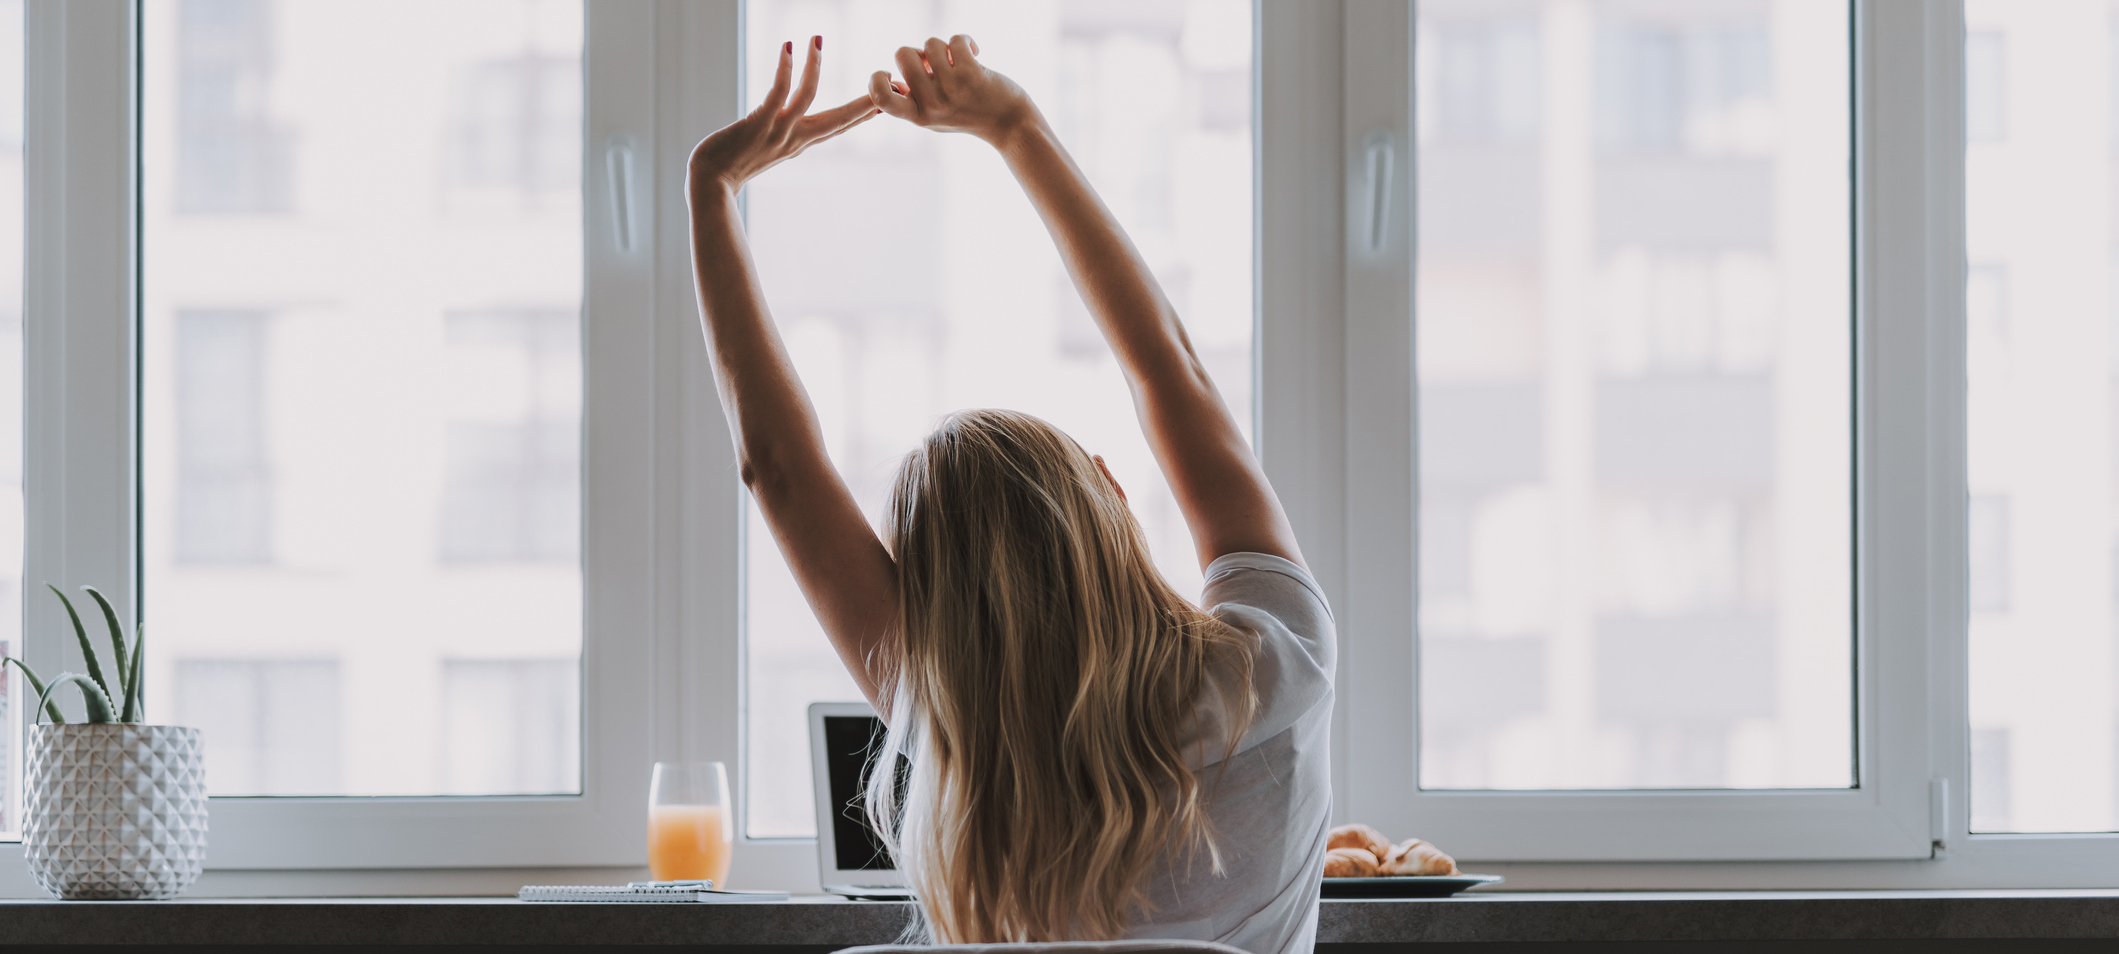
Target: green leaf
<point>36,684</point>
<point>135,697</point>
<point>117,640</point>
<point>95,669</point>
<point>92,695</point>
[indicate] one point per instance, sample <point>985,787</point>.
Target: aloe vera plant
<point>124,705</point>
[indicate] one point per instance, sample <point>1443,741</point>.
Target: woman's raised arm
<point>1224,494</point>
<point>843,569</point>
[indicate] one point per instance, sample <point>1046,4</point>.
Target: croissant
<point>1416,857</point>
<point>1360,836</point>
<point>1349,863</point>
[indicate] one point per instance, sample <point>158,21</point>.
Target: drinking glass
<point>689,828</point>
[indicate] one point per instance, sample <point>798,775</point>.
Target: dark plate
<point>1405,886</point>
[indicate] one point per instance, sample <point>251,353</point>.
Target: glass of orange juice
<point>689,829</point>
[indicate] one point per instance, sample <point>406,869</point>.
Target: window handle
<point>618,165</point>
<point>1379,153</point>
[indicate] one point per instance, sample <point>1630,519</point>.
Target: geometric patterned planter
<point>114,811</point>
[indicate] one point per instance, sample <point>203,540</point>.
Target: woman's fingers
<point>888,96</point>
<point>962,52</point>
<point>865,115</point>
<point>777,96</point>
<point>938,58</point>
<point>819,126</point>
<point>806,93</point>
<point>917,79</point>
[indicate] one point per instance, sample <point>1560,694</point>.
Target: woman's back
<point>1048,678</point>
<point>1270,803</point>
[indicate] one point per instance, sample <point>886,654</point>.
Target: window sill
<point>816,924</point>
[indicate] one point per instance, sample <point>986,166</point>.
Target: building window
<point>224,483</point>
<point>231,156</point>
<point>1986,112</point>
<point>271,725</point>
<point>1986,305</point>
<point>516,127</point>
<point>1485,83</point>
<point>511,726</point>
<point>511,490</point>
<point>1987,539</point>
<point>1702,83</point>
<point>1990,780</point>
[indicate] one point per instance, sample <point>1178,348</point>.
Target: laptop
<point>851,860</point>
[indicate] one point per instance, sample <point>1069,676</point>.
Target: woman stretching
<point>1093,756</point>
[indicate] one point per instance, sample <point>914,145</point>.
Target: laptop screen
<point>850,745</point>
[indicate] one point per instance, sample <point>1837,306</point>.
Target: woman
<point>1093,756</point>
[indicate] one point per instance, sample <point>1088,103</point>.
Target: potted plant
<point>113,809</point>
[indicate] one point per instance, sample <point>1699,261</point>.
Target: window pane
<point>911,278</point>
<point>361,273</point>
<point>10,390</point>
<point>2042,372</point>
<point>274,723</point>
<point>1634,376</point>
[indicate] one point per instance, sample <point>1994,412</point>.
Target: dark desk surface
<point>808,924</point>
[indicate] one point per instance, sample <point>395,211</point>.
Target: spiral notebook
<point>638,892</point>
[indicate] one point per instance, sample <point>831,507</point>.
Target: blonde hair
<point>1047,676</point>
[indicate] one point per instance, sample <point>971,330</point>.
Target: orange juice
<point>689,841</point>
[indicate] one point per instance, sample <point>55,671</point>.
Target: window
<point>967,305</point>
<point>2042,395</point>
<point>11,384</point>
<point>1985,86</point>
<point>1990,780</point>
<point>511,485</point>
<point>1682,468</point>
<point>510,725</point>
<point>514,133</point>
<point>231,155</point>
<point>1486,77</point>
<point>362,412</point>
<point>274,722</point>
<point>224,488</point>
<point>1634,395</point>
<point>1987,541</point>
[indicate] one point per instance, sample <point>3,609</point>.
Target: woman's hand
<point>778,130</point>
<point>947,89</point>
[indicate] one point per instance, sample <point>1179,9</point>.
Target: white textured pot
<point>114,811</point>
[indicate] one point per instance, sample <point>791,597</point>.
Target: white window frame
<point>638,324</point>
<point>1334,408</point>
<point>1906,823</point>
<point>1885,814</point>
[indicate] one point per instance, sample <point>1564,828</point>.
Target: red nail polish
<point>820,44</point>
<point>788,47</point>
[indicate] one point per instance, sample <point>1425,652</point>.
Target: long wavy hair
<point>1047,684</point>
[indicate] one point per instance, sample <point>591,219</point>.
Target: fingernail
<point>788,48</point>
<point>820,43</point>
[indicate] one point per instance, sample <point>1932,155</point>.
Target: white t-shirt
<point>1271,802</point>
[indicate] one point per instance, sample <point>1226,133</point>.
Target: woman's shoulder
<point>1274,585</point>
<point>1277,602</point>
